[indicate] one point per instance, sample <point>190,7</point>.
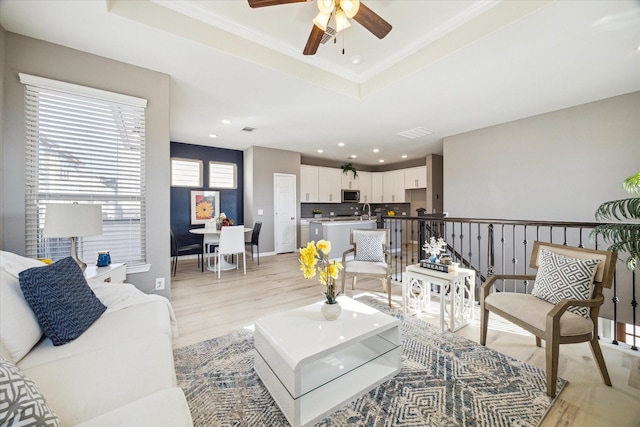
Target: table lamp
<point>73,221</point>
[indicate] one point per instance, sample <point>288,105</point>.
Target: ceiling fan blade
<point>372,22</point>
<point>264,3</point>
<point>314,41</point>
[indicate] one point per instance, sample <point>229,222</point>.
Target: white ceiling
<point>448,66</point>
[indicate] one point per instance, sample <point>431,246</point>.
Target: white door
<point>285,212</point>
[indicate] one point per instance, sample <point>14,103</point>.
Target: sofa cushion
<point>562,277</point>
<point>166,408</point>
<point>369,246</point>
<point>61,299</point>
<point>21,403</point>
<point>92,383</point>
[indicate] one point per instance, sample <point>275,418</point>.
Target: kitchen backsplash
<point>350,209</point>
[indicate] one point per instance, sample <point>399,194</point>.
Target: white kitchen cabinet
<point>308,184</point>
<point>364,185</point>
<point>393,186</point>
<point>329,185</point>
<point>377,190</point>
<point>349,182</point>
<point>415,177</point>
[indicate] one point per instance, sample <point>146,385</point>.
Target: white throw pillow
<point>369,246</point>
<point>561,277</point>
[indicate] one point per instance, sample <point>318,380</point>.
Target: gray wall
<point>27,55</point>
<point>556,166</point>
<point>260,164</point>
<point>3,36</point>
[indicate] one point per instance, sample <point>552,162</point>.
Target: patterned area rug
<point>446,380</point>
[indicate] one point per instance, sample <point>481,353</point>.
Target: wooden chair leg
<point>353,283</point>
<point>538,342</point>
<point>484,320</point>
<point>388,281</point>
<point>597,355</point>
<point>551,351</point>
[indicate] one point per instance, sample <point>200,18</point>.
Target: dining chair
<point>370,258</point>
<point>209,241</point>
<point>231,243</point>
<point>255,236</point>
<point>563,305</point>
<point>177,250</point>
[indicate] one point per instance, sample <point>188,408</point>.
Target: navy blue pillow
<point>61,299</point>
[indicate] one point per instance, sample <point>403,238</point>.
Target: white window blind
<point>186,172</point>
<point>87,146</point>
<point>222,175</point>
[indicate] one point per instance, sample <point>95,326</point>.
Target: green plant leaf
<point>619,209</point>
<point>632,184</point>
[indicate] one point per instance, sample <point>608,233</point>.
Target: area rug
<point>446,380</point>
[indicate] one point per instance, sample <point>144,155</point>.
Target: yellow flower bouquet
<point>314,258</point>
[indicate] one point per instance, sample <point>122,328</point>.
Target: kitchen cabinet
<point>349,182</point>
<point>415,177</point>
<point>393,186</point>
<point>377,179</point>
<point>308,184</point>
<point>329,185</point>
<point>364,185</point>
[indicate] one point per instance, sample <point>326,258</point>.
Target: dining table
<point>224,264</point>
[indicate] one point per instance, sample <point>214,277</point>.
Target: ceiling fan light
<point>342,21</point>
<point>326,6</point>
<point>350,7</point>
<point>322,20</point>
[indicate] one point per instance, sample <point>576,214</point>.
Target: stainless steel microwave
<point>350,196</point>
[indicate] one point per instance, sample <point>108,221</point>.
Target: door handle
<point>292,218</point>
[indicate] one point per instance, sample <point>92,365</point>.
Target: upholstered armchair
<point>370,258</point>
<point>563,306</point>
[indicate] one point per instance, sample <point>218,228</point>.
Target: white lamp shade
<point>326,6</point>
<point>321,20</point>
<point>72,220</point>
<point>350,7</point>
<point>342,21</point>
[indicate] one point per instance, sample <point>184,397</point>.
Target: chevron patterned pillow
<point>561,277</point>
<point>369,246</point>
<point>21,402</point>
<point>61,299</point>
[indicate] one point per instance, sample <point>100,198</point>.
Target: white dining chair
<point>231,243</point>
<point>209,240</point>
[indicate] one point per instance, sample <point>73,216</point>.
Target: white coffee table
<point>312,366</point>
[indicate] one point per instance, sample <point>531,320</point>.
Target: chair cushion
<point>533,311</point>
<point>366,267</point>
<point>369,246</point>
<point>21,403</point>
<point>61,299</point>
<point>561,277</point>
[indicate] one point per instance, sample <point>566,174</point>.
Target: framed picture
<point>205,205</point>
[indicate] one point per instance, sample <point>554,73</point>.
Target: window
<point>88,146</point>
<point>186,172</point>
<point>222,175</point>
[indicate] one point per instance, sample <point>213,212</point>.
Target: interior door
<point>285,212</point>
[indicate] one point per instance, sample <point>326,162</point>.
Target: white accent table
<point>114,273</point>
<point>457,294</point>
<point>312,366</point>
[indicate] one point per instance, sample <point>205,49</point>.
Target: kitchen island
<point>338,232</point>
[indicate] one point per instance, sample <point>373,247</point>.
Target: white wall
<point>556,166</point>
<point>27,55</point>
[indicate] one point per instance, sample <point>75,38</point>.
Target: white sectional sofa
<point>118,372</point>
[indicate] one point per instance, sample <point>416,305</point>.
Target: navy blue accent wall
<point>231,201</point>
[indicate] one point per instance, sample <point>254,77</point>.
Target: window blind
<point>87,146</point>
<point>222,175</point>
<point>186,172</point>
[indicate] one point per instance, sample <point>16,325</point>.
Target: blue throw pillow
<point>61,299</point>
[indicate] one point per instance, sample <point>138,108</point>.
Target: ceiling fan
<point>341,11</point>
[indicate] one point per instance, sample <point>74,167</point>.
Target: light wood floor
<point>207,307</point>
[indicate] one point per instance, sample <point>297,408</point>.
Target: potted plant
<point>317,213</point>
<point>314,258</point>
<point>348,167</point>
<point>623,236</point>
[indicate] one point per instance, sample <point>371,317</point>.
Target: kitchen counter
<point>338,232</point>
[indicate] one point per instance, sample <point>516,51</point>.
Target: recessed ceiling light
<point>381,161</point>
<point>356,60</point>
<point>404,156</point>
<point>226,121</point>
<point>320,150</point>
<point>353,156</point>
<point>340,144</point>
<point>213,135</point>
<point>375,150</point>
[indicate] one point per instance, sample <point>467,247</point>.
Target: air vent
<point>328,35</point>
<point>248,129</point>
<point>416,133</point>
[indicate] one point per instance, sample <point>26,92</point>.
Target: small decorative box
<point>435,266</point>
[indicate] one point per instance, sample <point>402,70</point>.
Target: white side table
<point>114,273</point>
<point>457,294</point>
